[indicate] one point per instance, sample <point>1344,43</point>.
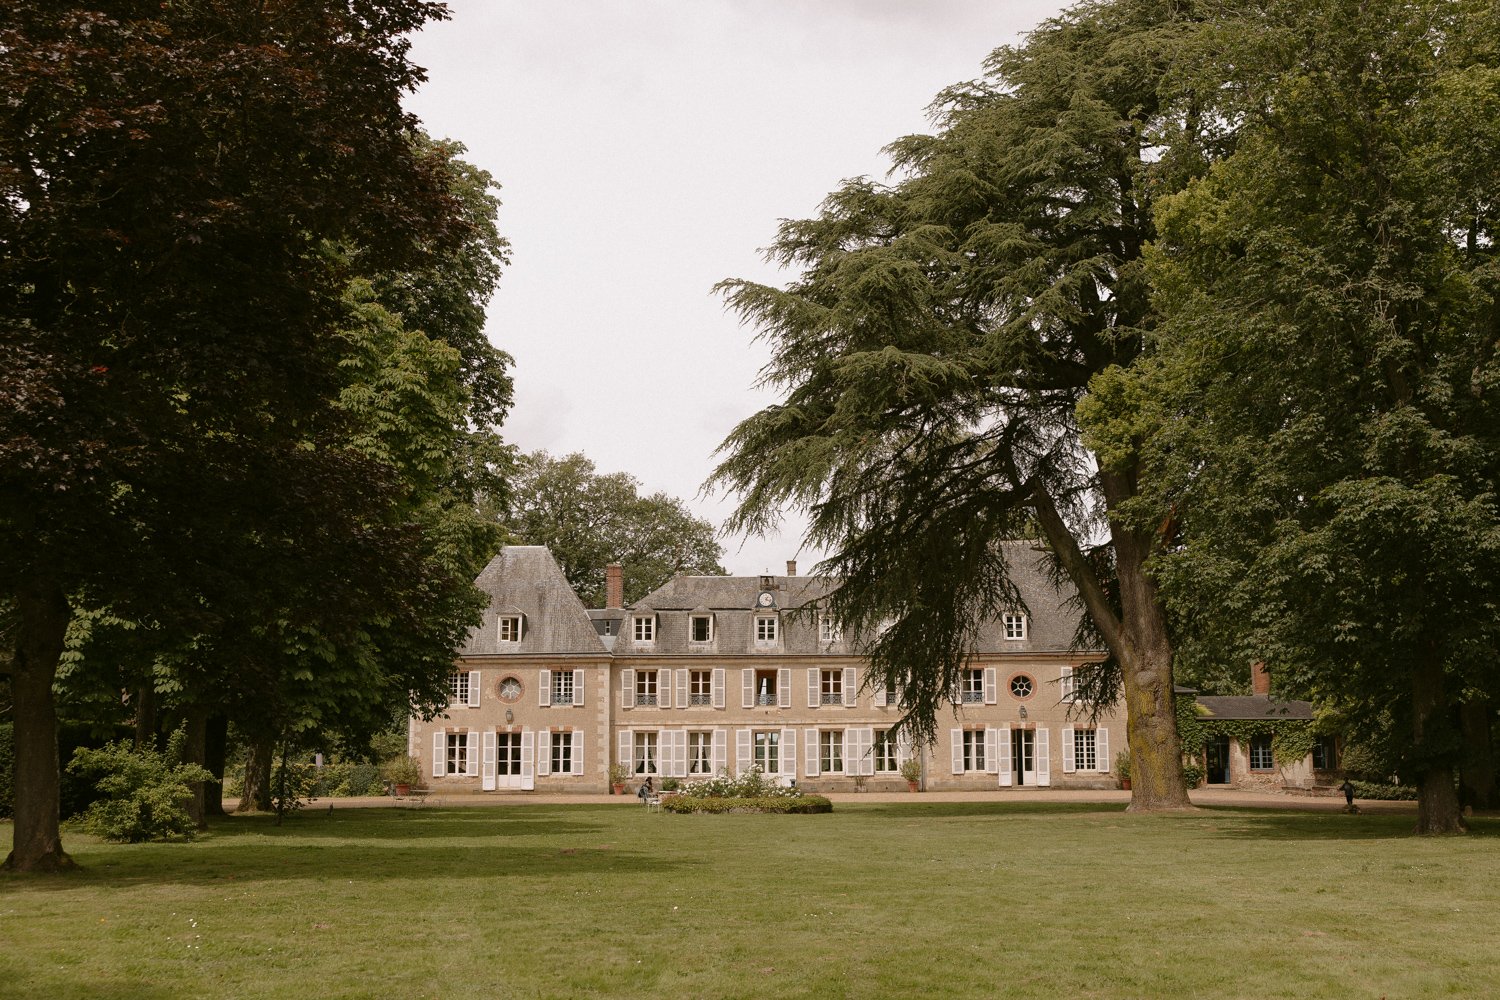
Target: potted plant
<point>402,772</point>
<point>911,770</point>
<point>618,774</point>
<point>1122,768</point>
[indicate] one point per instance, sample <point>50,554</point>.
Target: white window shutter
<point>577,762</point>
<point>721,751</point>
<point>664,688</point>
<point>880,696</point>
<point>958,750</point>
<point>868,740</point>
<point>1006,766</point>
<point>812,767</point>
<point>851,687</point>
<point>577,688</point>
<point>788,760</point>
<point>903,749</point>
<point>473,689</point>
<point>528,761</point>
<point>784,688</point>
<point>955,693</point>
<point>682,754</point>
<point>682,690</point>
<point>1101,749</point>
<point>487,772</point>
<point>718,687</point>
<point>544,688</point>
<point>439,754</point>
<point>471,765</point>
<point>749,688</point>
<point>627,688</point>
<point>812,687</point>
<point>1067,750</point>
<point>1066,687</point>
<point>992,750</point>
<point>624,745</point>
<point>543,751</point>
<point>991,689</point>
<point>742,751</point>
<point>1043,759</point>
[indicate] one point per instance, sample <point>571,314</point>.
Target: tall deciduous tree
<point>938,341</point>
<point>174,184</point>
<point>1327,402</point>
<point>590,519</point>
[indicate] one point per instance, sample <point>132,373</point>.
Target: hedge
<point>802,804</point>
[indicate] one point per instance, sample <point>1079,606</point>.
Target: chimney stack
<point>791,567</point>
<point>1260,678</point>
<point>614,586</point>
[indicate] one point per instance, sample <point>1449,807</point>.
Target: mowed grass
<point>939,900</point>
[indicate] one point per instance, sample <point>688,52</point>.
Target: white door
<point>1023,756</point>
<point>508,760</point>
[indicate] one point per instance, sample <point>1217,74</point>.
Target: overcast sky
<point>645,150</point>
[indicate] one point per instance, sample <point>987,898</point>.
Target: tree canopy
<point>590,519</point>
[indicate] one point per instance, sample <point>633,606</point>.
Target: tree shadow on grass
<point>1243,824</point>
<point>999,810</point>
<point>430,821</point>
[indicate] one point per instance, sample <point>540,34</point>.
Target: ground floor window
<point>700,753</point>
<point>973,749</point>
<point>1261,758</point>
<point>562,753</point>
<point>1325,754</point>
<point>885,752</point>
<point>645,752</point>
<point>1085,750</point>
<point>767,746</point>
<point>831,750</point>
<point>458,753</point>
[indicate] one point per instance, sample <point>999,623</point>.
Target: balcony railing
<point>832,698</point>
<point>766,698</point>
<point>700,699</point>
<point>645,699</point>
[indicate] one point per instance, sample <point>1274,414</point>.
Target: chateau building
<point>722,673</point>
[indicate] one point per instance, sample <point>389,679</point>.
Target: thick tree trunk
<point>215,746</point>
<point>1479,754</point>
<point>1438,808</point>
<point>43,614</point>
<point>145,714</point>
<point>193,753</point>
<point>256,794</point>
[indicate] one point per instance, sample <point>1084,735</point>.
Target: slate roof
<point>1253,706</point>
<point>526,578</point>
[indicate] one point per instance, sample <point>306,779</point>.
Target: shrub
<point>750,785</point>
<point>1192,774</point>
<point>798,804</point>
<point>402,770</point>
<point>145,791</point>
<point>1380,790</point>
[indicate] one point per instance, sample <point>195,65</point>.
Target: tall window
<point>892,695</point>
<point>458,753</point>
<point>831,750</point>
<point>765,629</point>
<point>700,753</point>
<point>645,628</point>
<point>1261,758</point>
<point>1014,624</point>
<point>562,753</point>
<point>765,687</point>
<point>645,687</point>
<point>831,685</point>
<point>973,749</point>
<point>768,750</point>
<point>1325,754</point>
<point>645,753</point>
<point>973,687</point>
<point>828,629</point>
<point>701,687</point>
<point>562,687</point>
<point>701,628</point>
<point>460,687</point>
<point>1085,754</point>
<point>510,628</point>
<point>885,752</point>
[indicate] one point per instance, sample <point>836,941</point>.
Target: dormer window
<point>701,628</point>
<point>510,628</point>
<point>1014,624</point>
<point>828,629</point>
<point>765,630</point>
<point>644,628</point>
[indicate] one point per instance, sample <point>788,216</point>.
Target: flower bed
<point>748,793</point>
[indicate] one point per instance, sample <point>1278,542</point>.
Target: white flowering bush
<point>751,792</point>
<point>751,785</point>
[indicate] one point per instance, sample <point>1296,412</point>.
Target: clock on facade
<point>766,599</point>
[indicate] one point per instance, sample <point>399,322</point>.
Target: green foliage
<point>590,519</point>
<point>145,790</point>
<point>337,779</point>
<point>1383,791</point>
<point>1192,774</point>
<point>1291,739</point>
<point>1122,766</point>
<point>911,769</point>
<point>800,805</point>
<point>402,769</point>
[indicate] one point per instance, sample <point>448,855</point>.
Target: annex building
<point>711,673</point>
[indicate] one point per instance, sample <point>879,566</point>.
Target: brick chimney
<point>1260,678</point>
<point>791,567</point>
<point>614,586</point>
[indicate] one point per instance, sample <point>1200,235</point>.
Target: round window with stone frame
<point>510,689</point>
<point>1022,687</point>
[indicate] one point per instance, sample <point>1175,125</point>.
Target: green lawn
<point>982,900</point>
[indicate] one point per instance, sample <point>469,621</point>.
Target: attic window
<point>828,629</point>
<point>701,628</point>
<point>510,628</point>
<point>645,628</point>
<point>1014,624</point>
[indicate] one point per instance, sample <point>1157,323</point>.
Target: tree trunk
<point>1479,754</point>
<point>145,714</point>
<point>215,746</point>
<point>1438,808</point>
<point>193,753</point>
<point>256,794</point>
<point>43,614</point>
